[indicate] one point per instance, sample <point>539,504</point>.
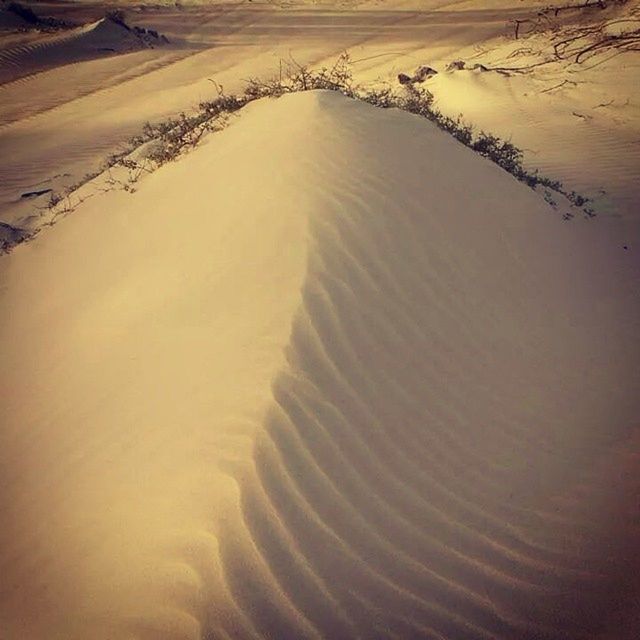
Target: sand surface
<point>584,133</point>
<point>330,374</point>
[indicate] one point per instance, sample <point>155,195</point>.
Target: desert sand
<point>329,374</point>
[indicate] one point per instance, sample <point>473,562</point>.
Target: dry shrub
<point>173,137</point>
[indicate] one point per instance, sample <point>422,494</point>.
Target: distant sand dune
<point>104,37</point>
<point>331,375</point>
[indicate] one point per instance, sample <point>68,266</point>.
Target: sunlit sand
<point>329,373</point>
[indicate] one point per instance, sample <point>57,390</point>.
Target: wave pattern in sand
<point>444,450</point>
<point>415,476</point>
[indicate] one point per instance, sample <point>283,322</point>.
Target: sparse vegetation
<point>601,33</point>
<point>604,31</point>
<point>163,142</point>
<point>548,18</point>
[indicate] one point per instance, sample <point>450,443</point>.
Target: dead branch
<point>557,86</point>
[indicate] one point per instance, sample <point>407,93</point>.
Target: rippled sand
<point>330,375</point>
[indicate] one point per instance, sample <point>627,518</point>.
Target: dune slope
<point>331,375</point>
<point>100,38</point>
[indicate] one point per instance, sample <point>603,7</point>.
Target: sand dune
<point>100,38</point>
<point>330,375</point>
<point>85,110</point>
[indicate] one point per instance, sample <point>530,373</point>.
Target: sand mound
<point>104,37</point>
<point>330,375</point>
